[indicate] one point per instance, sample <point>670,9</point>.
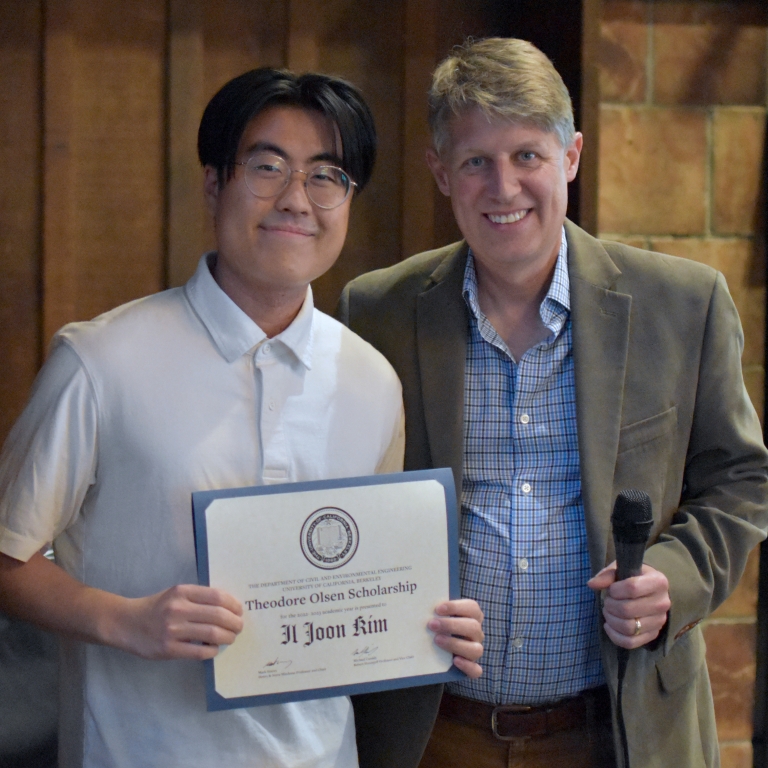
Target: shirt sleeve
<point>49,459</point>
<point>723,510</point>
<point>392,460</point>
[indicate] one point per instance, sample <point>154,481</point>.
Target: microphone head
<point>632,516</point>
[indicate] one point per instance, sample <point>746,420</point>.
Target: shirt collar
<point>560,289</point>
<point>556,304</point>
<point>232,331</point>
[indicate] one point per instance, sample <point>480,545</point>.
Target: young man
<point>551,371</point>
<point>233,380</point>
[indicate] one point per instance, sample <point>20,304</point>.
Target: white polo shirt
<point>132,412</point>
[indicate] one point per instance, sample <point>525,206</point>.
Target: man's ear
<point>211,188</point>
<point>572,157</point>
<point>439,171</point>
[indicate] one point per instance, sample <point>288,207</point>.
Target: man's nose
<point>505,181</point>
<point>294,196</point>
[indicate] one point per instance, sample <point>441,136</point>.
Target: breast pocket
<point>643,455</point>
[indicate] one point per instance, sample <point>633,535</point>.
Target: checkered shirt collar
<point>556,306</point>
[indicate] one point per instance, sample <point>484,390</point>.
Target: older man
<point>214,385</point>
<point>551,370</point>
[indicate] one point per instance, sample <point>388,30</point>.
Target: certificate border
<point>202,499</point>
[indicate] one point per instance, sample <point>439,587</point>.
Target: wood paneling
<point>589,117</point>
<point>351,44</point>
<point>20,76</point>
<point>240,35</point>
<point>104,158</point>
<point>101,199</point>
<point>420,56</point>
<point>208,44</point>
<point>186,99</point>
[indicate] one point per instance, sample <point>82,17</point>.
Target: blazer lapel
<point>441,338</point>
<point>600,342</point>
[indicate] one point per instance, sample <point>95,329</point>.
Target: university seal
<point>329,538</point>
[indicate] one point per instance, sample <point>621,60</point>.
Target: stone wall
<point>684,92</point>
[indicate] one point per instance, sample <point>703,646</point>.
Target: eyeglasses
<point>268,175</point>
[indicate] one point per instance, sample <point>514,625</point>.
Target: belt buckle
<point>519,708</point>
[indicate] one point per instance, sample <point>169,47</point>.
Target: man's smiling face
<point>277,245</point>
<point>508,184</point>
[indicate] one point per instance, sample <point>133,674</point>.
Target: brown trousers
<point>455,745</point>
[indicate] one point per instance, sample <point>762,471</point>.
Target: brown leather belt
<point>512,721</point>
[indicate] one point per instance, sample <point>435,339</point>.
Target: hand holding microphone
<point>636,604</point>
<point>637,598</point>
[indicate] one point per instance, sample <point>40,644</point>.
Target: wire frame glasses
<point>268,175</point>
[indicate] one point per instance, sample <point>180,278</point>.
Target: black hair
<point>241,99</point>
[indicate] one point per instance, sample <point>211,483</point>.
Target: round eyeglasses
<point>268,175</point>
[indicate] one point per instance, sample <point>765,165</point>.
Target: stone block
<point>623,50</point>
<point>739,137</point>
<point>731,664</point>
<point>710,52</point>
<point>738,755</point>
<point>652,176</point>
<point>743,600</point>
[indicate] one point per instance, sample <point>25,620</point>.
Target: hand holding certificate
<point>337,579</point>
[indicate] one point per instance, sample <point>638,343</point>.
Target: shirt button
<point>525,418</point>
<point>526,487</point>
<point>523,564</point>
<point>267,348</point>
<point>518,642</point>
<point>271,405</point>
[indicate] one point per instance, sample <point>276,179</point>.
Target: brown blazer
<point>661,407</point>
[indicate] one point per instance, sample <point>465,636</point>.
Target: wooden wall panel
<point>208,44</point>
<point>240,35</point>
<point>185,94</point>
<point>589,122</point>
<point>362,40</point>
<point>99,109</point>
<point>59,275</point>
<point>303,38</point>
<point>419,191</point>
<point>20,75</point>
<point>104,156</point>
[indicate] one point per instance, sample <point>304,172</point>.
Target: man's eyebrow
<point>327,157</point>
<point>265,146</point>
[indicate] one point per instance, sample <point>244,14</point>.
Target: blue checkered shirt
<point>523,540</point>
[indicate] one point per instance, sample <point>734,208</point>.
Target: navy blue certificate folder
<point>343,576</point>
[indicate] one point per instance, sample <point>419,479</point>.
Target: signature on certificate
<point>277,663</point>
<point>366,651</point>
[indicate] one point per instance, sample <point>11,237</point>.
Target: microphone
<point>632,520</point>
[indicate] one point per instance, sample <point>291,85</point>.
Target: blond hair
<point>504,77</point>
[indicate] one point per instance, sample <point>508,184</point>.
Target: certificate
<point>337,580</point>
